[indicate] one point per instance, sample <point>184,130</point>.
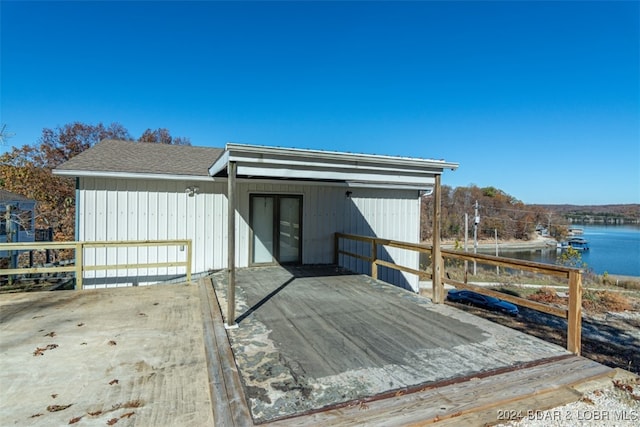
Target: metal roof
<point>354,169</point>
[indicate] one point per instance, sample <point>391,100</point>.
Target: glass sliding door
<point>289,230</point>
<point>262,227</point>
<point>275,229</point>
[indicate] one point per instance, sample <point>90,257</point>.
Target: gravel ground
<point>612,339</point>
<point>614,404</point>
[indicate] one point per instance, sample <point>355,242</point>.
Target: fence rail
<point>80,265</point>
<point>573,314</point>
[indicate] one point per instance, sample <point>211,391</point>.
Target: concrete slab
<point>310,338</point>
<point>131,356</point>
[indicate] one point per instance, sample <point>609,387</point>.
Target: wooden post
<point>189,259</point>
<point>231,243</point>
<point>374,258</point>
<point>336,249</point>
<point>436,277</point>
<point>574,320</point>
<point>8,227</point>
<point>79,265</point>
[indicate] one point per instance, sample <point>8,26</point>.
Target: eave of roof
<point>125,159</point>
<point>261,162</point>
<point>133,159</point>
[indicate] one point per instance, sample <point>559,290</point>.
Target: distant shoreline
<point>538,243</point>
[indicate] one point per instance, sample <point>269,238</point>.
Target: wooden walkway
<point>319,346</point>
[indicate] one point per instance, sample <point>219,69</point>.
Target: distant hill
<point>597,214</point>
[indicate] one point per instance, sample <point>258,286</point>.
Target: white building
<point>17,224</point>
<point>288,202</point>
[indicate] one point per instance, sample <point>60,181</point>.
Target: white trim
<point>349,164</point>
<point>220,164</point>
<point>333,175</point>
<point>131,175</point>
<point>343,156</point>
<point>343,184</point>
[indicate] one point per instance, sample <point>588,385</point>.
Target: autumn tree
<point>27,170</point>
<point>162,136</point>
<point>498,211</point>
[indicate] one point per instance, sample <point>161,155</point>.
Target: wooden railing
<point>573,313</point>
<point>80,267</point>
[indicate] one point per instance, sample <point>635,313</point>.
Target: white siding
<point>125,209</point>
<point>391,214</point>
<point>121,209</point>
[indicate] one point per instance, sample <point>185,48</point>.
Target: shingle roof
<point>136,157</point>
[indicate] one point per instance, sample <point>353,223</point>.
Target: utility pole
<point>466,239</point>
<point>497,266</point>
<point>476,221</point>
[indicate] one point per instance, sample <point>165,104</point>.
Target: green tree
<point>570,258</point>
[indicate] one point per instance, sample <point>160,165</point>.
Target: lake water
<point>613,249</point>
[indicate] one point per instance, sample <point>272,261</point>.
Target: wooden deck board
<point>476,401</point>
<point>229,405</point>
<point>316,342</point>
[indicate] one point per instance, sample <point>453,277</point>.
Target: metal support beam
<point>231,244</point>
<point>436,256</point>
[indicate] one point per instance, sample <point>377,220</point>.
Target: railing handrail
<point>488,259</point>
<point>573,313</point>
<point>79,266</point>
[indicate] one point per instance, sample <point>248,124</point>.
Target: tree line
<point>27,170</point>
<point>497,211</point>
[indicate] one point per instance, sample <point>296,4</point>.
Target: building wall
<point>21,227</point>
<point>142,209</point>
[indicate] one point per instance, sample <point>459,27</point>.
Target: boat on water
<point>577,243</point>
<point>575,231</point>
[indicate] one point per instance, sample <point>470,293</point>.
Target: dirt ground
<point>126,356</point>
<point>612,339</point>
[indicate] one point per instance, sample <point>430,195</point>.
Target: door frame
<point>275,227</point>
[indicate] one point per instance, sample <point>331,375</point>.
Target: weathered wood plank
<point>227,395</point>
<point>398,267</point>
<point>476,399</point>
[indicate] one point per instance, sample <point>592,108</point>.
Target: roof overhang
<point>129,175</point>
<point>357,170</point>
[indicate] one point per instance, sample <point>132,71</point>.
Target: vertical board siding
<point>123,209</point>
<point>390,214</point>
<point>145,209</point>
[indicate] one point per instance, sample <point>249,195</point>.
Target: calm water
<point>614,249</point>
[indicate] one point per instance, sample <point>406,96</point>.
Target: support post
<point>336,249</point>
<point>189,259</point>
<point>231,243</point>
<point>574,321</point>
<point>374,258</point>
<point>436,256</point>
<point>79,265</point>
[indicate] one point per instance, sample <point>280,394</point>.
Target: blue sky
<point>538,99</point>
